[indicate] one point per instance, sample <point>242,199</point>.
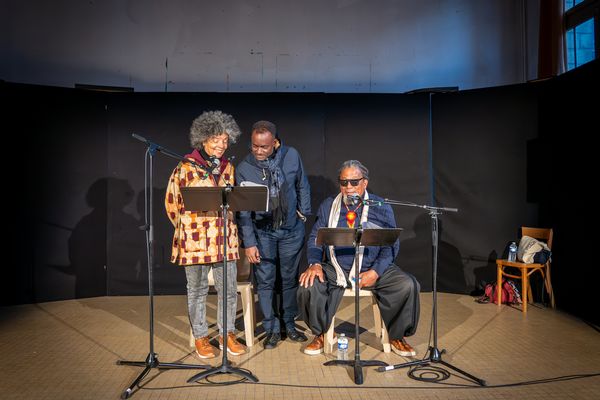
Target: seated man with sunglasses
<point>397,292</point>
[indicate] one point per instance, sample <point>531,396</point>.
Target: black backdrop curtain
<point>78,182</point>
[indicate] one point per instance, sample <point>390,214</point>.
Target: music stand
<point>357,237</point>
<point>225,199</point>
<point>435,355</point>
<point>152,358</point>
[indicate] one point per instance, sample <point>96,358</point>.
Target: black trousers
<point>396,292</point>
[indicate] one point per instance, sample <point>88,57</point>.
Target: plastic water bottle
<point>342,349</point>
<point>512,252</point>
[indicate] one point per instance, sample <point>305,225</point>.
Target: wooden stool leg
<point>328,339</point>
<point>248,310</point>
<point>499,284</point>
<point>525,287</point>
<point>380,329</point>
<point>376,317</point>
<point>548,284</point>
<point>385,339</point>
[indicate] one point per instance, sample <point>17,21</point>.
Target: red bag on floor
<point>510,293</point>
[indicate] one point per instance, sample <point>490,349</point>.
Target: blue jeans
<point>279,249</point>
<point>197,291</point>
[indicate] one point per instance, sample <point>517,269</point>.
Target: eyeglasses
<point>353,182</point>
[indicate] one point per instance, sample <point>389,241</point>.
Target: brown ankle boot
<point>233,346</point>
<point>399,346</point>
<point>204,349</point>
<point>316,346</point>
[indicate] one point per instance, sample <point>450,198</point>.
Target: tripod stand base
<point>152,362</point>
<point>435,356</point>
<point>225,368</point>
<point>357,364</point>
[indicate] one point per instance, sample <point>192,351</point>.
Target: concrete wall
<point>268,45</point>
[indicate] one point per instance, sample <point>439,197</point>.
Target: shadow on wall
<point>125,241</point>
<point>450,274</point>
<point>169,278</point>
<point>484,273</point>
<point>87,244</point>
<point>107,241</point>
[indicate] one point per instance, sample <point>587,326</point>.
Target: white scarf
<point>334,217</point>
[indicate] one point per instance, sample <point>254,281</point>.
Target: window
<point>570,3</point>
<point>580,44</point>
<point>582,29</point>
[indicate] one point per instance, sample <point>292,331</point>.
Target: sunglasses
<point>353,182</point>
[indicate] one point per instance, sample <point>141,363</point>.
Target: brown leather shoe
<point>399,346</point>
<point>234,347</point>
<point>204,349</point>
<point>315,347</point>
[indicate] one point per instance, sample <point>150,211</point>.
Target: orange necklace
<point>351,215</point>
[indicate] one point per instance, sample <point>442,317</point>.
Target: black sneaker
<point>295,336</point>
<point>271,340</point>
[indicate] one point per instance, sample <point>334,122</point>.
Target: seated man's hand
<point>368,278</point>
<point>307,278</point>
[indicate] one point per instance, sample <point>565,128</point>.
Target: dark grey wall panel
<point>57,212</point>
<point>480,164</point>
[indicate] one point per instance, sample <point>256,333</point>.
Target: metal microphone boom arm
<point>370,202</point>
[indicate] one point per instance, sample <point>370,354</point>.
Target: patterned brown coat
<point>198,237</point>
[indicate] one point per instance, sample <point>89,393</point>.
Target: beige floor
<point>69,349</point>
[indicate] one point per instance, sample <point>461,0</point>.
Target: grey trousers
<point>197,291</point>
<point>396,291</point>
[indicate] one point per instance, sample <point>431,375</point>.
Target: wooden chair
<point>380,330</point>
<point>244,288</point>
<point>527,269</point>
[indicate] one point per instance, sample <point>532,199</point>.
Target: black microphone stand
<point>152,358</point>
<point>226,366</point>
<point>357,363</point>
<point>435,355</point>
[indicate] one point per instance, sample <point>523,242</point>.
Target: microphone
<point>213,164</point>
<point>148,142</point>
<point>140,138</point>
<point>370,202</point>
<point>354,199</point>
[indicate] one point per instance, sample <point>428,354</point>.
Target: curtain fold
<point>552,46</point>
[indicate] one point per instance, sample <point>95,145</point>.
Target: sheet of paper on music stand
<point>248,183</point>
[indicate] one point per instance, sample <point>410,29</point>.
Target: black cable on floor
<point>428,373</point>
<point>440,385</point>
